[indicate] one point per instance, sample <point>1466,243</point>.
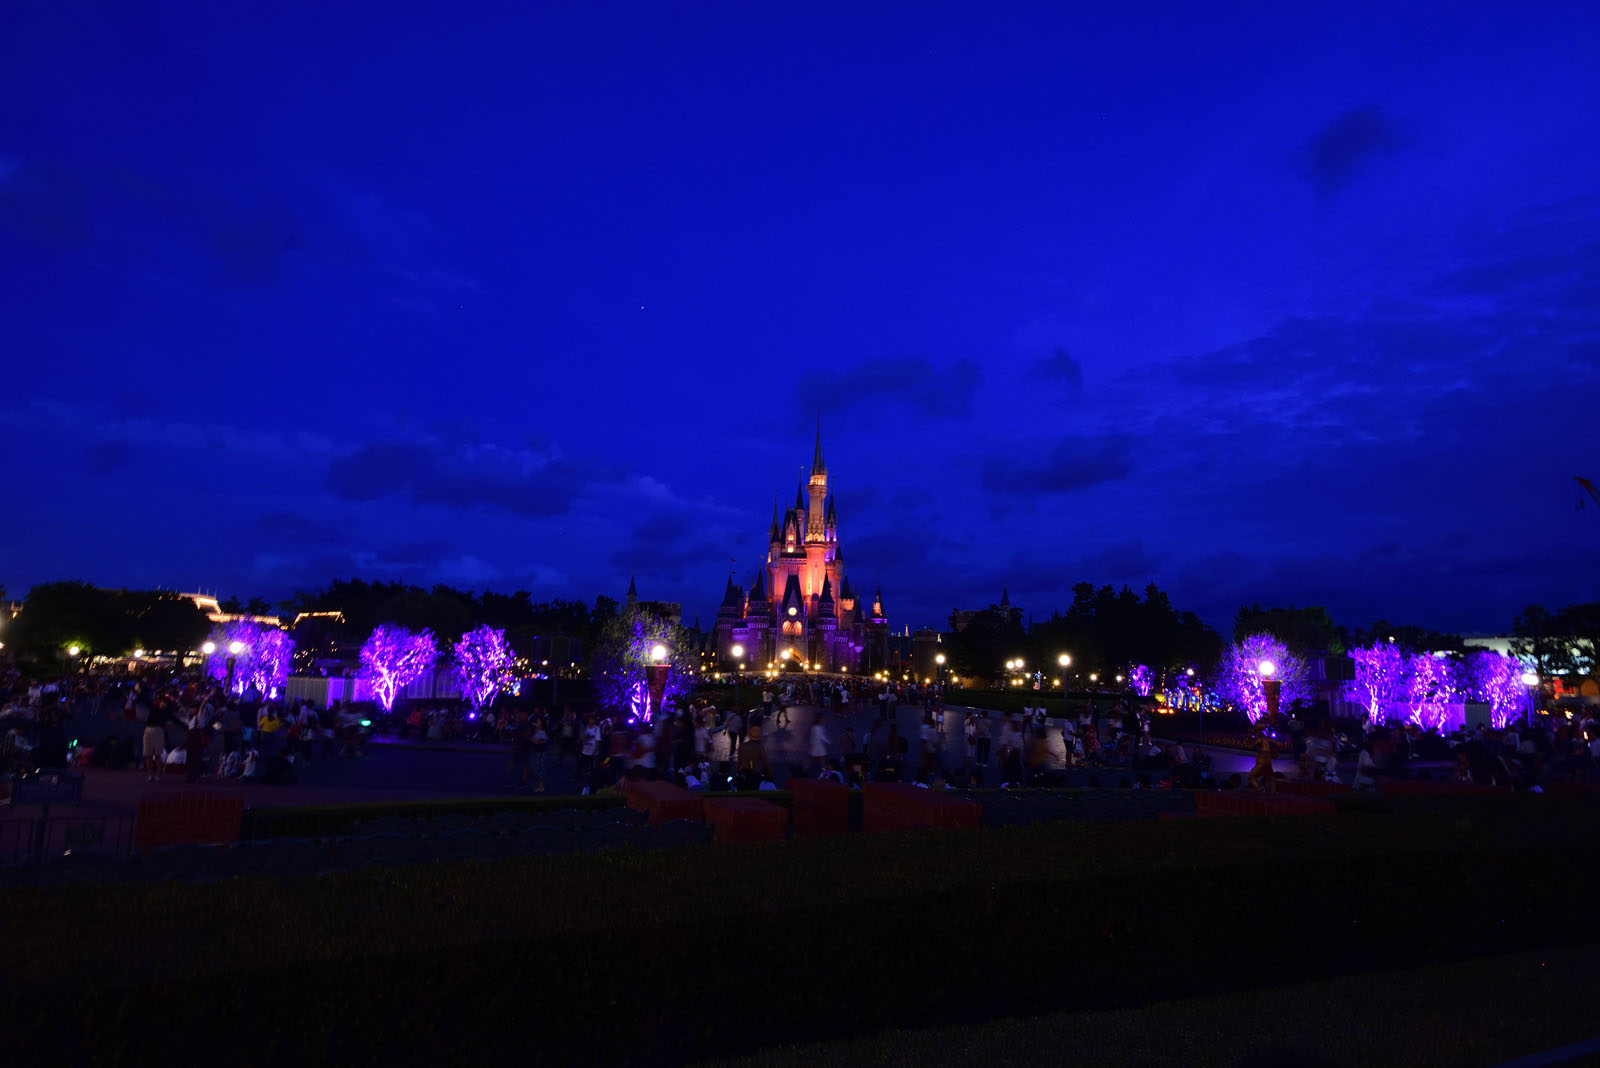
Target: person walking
<point>981,738</point>
<point>734,728</point>
<point>819,742</point>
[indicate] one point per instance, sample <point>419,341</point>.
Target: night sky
<point>1271,303</point>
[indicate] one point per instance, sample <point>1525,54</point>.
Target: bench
<point>820,807</point>
<point>745,819</point>
<point>188,819</point>
<point>893,806</point>
<point>663,801</point>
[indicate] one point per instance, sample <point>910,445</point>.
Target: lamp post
<point>72,655</point>
<point>1200,706</point>
<point>1065,661</point>
<point>1270,688</point>
<point>939,660</point>
<point>738,654</point>
<point>657,672</point>
<point>234,649</point>
<point>1531,681</point>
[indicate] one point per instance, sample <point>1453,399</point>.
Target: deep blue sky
<point>1277,302</point>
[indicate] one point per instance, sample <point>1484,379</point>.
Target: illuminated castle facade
<point>801,609</point>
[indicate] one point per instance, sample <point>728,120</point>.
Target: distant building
<point>669,611</point>
<point>959,618</point>
<point>213,610</point>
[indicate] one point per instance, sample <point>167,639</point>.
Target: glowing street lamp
<point>657,671</point>
<point>73,650</point>
<point>1270,688</point>
<point>1065,661</point>
<point>738,655</point>
<point>235,647</point>
<point>1531,681</point>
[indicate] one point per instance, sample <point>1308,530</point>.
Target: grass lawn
<point>1470,1013</point>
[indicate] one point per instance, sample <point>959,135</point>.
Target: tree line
<point>1108,631</point>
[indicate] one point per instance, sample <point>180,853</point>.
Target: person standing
<point>155,740</point>
<point>232,728</point>
<point>1261,774</point>
<point>981,737</point>
<point>521,755</point>
<point>588,746</point>
<point>930,745</point>
<point>541,747</point>
<point>194,746</point>
<point>752,763</point>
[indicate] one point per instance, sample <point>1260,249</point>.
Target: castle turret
<point>825,603</point>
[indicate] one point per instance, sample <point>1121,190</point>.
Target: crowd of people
<point>162,723</point>
<point>1523,756</point>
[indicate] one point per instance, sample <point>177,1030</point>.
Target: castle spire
<point>800,496</point>
<point>817,466</point>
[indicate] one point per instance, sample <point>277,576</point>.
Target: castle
<point>801,608</point>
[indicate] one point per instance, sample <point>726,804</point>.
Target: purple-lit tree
<point>1380,679</point>
<point>1431,684</point>
<point>1139,679</point>
<point>1495,679</point>
<point>1238,679</point>
<point>483,665</point>
<point>263,659</point>
<point>395,656</point>
<point>623,654</point>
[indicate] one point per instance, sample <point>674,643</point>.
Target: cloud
<point>1348,144</point>
<point>104,457</point>
<point>678,545</point>
<point>284,527</point>
<point>1072,463</point>
<point>911,381</point>
<point>460,475</point>
<point>1060,367</point>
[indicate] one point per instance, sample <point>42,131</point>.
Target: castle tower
<point>816,513</point>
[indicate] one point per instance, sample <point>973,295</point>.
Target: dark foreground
<point>706,951</point>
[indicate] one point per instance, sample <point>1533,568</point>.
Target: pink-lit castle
<point>801,608</point>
